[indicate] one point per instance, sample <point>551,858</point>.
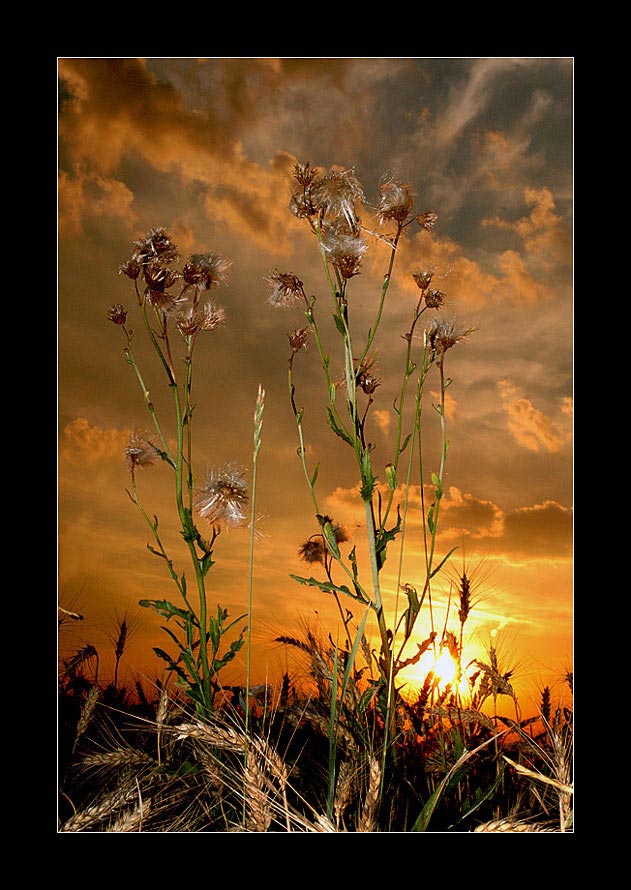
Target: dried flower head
<point>302,206</point>
<point>423,278</point>
<point>118,314</point>
<point>312,550</point>
<point>285,289</point>
<point>434,299</point>
<point>141,451</point>
<point>366,378</point>
<point>159,280</point>
<point>337,195</point>
<point>344,248</point>
<point>445,333</point>
<point>205,270</point>
<point>304,174</point>
<point>131,269</point>
<point>206,318</point>
<point>156,246</point>
<point>396,200</point>
<point>299,339</point>
<point>224,497</point>
<point>426,220</point>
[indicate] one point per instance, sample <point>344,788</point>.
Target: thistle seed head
<point>156,246</point>
<point>426,220</point>
<point>344,248</point>
<point>205,270</point>
<point>337,195</point>
<point>224,497</point>
<point>434,299</point>
<point>445,333</point>
<point>118,314</point>
<point>299,339</point>
<point>141,451</point>
<point>423,278</point>
<point>285,289</point>
<point>312,550</point>
<point>396,200</point>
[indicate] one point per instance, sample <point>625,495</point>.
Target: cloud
<point>543,233</point>
<point>383,419</point>
<point>84,196</point>
<point>543,530</point>
<point>469,99</point>
<point>539,531</point>
<point>92,443</point>
<point>451,405</point>
<point>466,514</point>
<point>530,427</point>
<point>120,109</point>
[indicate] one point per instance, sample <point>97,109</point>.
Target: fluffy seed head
<point>140,451</point>
<point>205,270</point>
<point>344,248</point>
<point>337,195</point>
<point>156,246</point>
<point>206,318</point>
<point>224,497</point>
<point>426,220</point>
<point>396,199</point>
<point>285,289</point>
<point>445,333</point>
<point>312,550</point>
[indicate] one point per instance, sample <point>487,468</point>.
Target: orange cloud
<point>383,419</point>
<point>542,231</point>
<point>84,196</point>
<point>544,530</point>
<point>92,443</point>
<point>120,108</point>
<point>531,427</point>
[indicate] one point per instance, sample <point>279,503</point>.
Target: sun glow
<point>446,674</point>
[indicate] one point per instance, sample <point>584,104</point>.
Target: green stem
<point>186,522</point>
<point>384,290</point>
<point>130,359</point>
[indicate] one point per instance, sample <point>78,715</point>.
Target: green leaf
<point>324,586</point>
<point>172,665</point>
<point>329,535</point>
<point>315,476</point>
<point>367,697</point>
<point>167,609</point>
<point>412,610</point>
<point>189,532</point>
<point>155,552</point>
<point>367,476</point>
<point>384,537</point>
<point>338,430</point>
<point>206,563</point>
<point>442,562</point>
<point>339,324</point>
<point>430,520</point>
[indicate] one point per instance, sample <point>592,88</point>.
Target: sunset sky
<point>206,148</point>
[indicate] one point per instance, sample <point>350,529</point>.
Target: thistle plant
<point>175,312</point>
<point>329,204</point>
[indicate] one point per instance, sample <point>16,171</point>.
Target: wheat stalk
<point>368,818</point>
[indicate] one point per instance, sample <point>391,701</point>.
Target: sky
<point>206,149</point>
